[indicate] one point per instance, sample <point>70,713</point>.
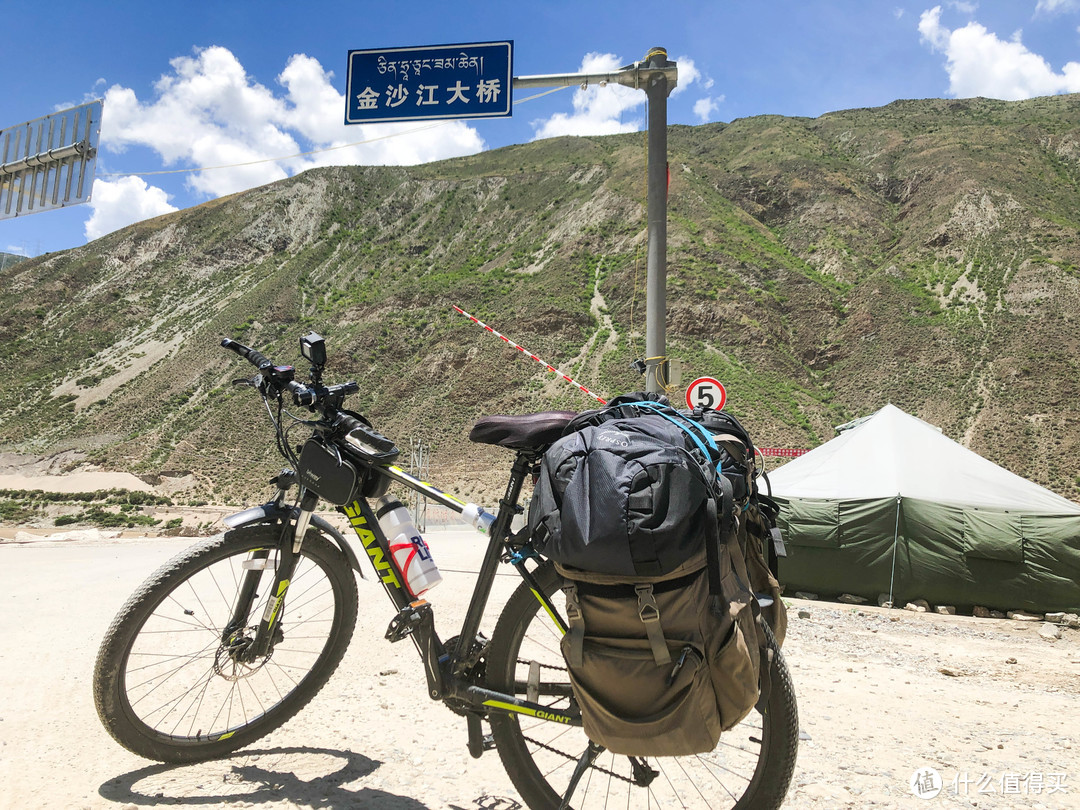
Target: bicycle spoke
<point>203,689</point>
<point>543,756</point>
<point>164,680</point>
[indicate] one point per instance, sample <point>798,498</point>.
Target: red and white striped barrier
<point>527,353</point>
<point>781,452</point>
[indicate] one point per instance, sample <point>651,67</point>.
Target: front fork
<point>268,633</point>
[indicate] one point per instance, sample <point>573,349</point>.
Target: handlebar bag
<point>326,473</point>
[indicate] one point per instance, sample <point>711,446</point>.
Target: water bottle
<point>476,517</point>
<point>411,553</point>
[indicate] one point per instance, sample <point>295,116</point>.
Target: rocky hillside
<point>926,253</point>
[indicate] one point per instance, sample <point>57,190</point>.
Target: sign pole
<point>476,80</point>
<point>656,88</point>
<point>657,77</point>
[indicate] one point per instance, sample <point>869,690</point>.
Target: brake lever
<point>250,383</point>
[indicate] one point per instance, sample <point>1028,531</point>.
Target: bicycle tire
<point>166,641</point>
<point>751,767</point>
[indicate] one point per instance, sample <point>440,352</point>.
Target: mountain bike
<point>231,638</point>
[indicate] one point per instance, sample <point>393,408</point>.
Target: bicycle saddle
<point>525,431</point>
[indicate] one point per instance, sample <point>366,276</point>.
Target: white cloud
<point>1055,6</point>
<point>980,64</point>
<point>601,110</point>
<point>967,8</point>
<point>316,111</point>
<point>118,203</point>
<point>705,107</point>
<point>17,250</point>
<point>688,74</point>
<point>597,110</point>
<point>209,112</point>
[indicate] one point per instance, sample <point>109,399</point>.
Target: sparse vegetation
<point>819,267</point>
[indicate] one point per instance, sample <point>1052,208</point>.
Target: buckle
<point>648,610</point>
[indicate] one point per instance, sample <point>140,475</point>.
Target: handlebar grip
<point>257,359</point>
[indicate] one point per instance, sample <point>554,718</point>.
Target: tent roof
<point>894,453</point>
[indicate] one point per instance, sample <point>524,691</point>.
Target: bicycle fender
<point>278,513</point>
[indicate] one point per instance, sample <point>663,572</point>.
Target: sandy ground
<point>75,482</point>
<point>989,704</point>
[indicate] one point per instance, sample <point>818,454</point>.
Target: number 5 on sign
<point>705,392</point>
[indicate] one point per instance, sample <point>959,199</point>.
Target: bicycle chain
<point>542,666</point>
<point>572,758</point>
<point>554,750</point>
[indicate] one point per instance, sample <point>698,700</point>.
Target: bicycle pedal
<point>479,742</point>
<point>407,620</point>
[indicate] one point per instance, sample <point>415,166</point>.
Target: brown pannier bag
<point>660,668</point>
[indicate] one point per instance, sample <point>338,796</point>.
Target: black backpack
<point>638,512</point>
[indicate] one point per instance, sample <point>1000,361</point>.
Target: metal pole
<point>657,77</point>
<point>656,88</point>
<point>630,76</point>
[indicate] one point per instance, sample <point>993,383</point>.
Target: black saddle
<point>527,431</point>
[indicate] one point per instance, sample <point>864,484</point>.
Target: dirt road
<point>883,695</point>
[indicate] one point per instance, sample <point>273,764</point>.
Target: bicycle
<point>231,638</point>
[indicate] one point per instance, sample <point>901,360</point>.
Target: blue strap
<point>518,557</point>
<point>687,426</point>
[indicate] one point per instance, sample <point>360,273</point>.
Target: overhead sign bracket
<point>49,162</point>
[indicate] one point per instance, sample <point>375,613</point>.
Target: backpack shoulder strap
<point>722,534</point>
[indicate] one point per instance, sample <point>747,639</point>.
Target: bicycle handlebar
<point>281,376</point>
<point>257,359</point>
<point>356,432</point>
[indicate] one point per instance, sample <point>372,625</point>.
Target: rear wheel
<point>169,687</point>
<point>749,769</point>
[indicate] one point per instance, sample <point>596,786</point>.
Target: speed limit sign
<point>705,392</point>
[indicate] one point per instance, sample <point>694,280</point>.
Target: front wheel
<point>749,770</point>
<point>171,685</point>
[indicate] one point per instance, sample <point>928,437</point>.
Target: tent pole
<point>895,536</point>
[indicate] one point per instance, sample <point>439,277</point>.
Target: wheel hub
<point>236,659</point>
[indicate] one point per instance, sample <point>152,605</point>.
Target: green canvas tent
<point>894,507</point>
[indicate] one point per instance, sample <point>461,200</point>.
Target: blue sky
<point>199,84</point>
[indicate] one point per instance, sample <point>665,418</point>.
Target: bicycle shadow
<point>492,803</point>
<point>208,783</point>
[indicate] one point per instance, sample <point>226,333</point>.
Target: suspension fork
<point>289,545</point>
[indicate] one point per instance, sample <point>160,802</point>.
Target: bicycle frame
<point>446,671</point>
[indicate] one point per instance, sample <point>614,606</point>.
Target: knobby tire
<point>749,770</point>
<point>167,688</point>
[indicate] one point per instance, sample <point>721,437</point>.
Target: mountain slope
<point>924,253</point>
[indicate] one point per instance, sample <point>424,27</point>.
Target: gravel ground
<point>988,704</point>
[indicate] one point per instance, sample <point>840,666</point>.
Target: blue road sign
<point>431,82</point>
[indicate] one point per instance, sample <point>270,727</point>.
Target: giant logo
<point>371,545</point>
